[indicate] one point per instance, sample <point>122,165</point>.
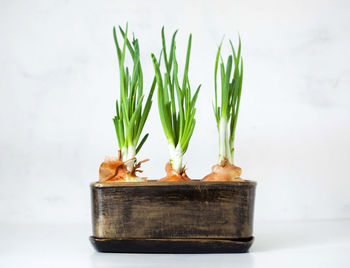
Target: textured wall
<point>59,81</point>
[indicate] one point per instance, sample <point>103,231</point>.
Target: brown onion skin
<point>225,171</point>
<point>114,169</point>
<point>172,175</point>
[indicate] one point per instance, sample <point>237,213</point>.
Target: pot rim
<point>171,183</point>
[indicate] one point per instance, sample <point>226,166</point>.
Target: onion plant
<point>226,108</point>
<point>231,87</point>
<point>130,114</point>
<point>175,102</point>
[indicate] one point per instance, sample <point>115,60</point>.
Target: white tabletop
<point>277,244</point>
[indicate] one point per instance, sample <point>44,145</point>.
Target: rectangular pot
<point>173,217</point>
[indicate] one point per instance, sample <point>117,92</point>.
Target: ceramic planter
<point>173,217</point>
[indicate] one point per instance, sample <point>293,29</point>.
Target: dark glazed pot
<point>173,217</point>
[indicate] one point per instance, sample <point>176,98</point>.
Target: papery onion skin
<point>172,175</point>
<point>114,169</point>
<point>225,171</point>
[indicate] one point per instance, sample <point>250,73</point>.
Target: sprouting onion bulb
<point>130,114</point>
<point>177,120</point>
<point>231,87</point>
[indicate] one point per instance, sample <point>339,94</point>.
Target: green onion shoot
<point>176,107</point>
<point>226,108</point>
<point>130,115</point>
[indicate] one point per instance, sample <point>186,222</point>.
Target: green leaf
<point>215,75</point>
<point>164,50</point>
<point>185,77</point>
<point>195,96</point>
<point>141,143</point>
<point>119,53</point>
<point>131,50</point>
<point>161,105</point>
<point>172,51</point>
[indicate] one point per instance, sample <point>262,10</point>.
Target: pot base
<point>172,245</point>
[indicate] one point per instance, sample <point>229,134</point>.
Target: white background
<point>59,81</point>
